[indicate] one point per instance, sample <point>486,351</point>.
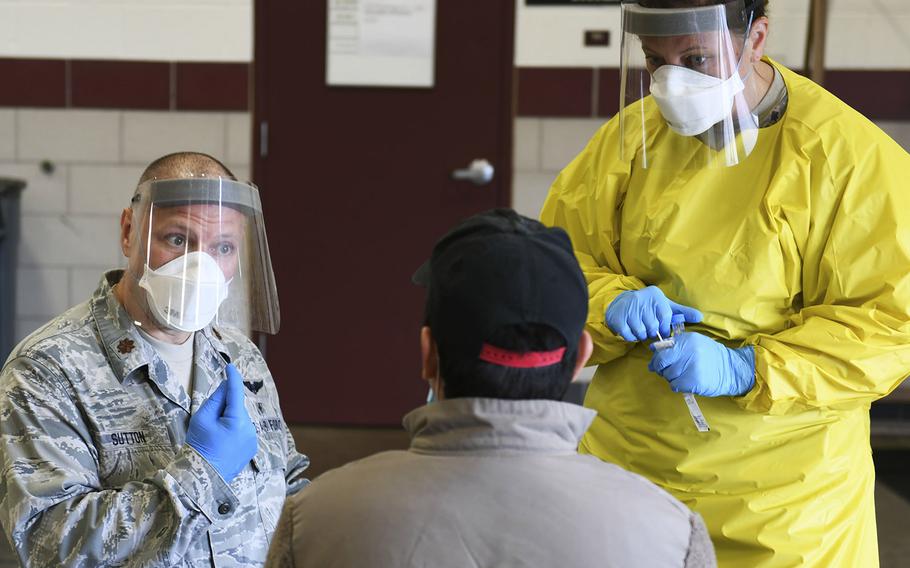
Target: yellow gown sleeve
<point>586,201</point>
<point>849,343</point>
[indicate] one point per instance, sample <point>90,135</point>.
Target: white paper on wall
<point>381,43</point>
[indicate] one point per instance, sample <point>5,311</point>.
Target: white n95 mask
<point>185,293</point>
<point>692,102</point>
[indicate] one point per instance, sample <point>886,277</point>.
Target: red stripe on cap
<point>530,360</point>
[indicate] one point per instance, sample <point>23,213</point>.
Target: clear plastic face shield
<point>205,257</point>
<point>683,99</point>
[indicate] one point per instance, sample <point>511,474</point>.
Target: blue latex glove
<point>699,365</point>
<point>221,430</point>
<point>637,315</point>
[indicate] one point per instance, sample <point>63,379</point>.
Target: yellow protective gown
<point>803,251</point>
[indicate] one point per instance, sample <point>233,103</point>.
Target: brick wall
<point>71,215</point>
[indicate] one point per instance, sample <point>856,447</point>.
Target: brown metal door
<point>356,189</point>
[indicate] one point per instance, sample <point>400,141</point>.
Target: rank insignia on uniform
<point>126,346</point>
<point>253,386</point>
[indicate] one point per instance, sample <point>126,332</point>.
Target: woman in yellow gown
<point>747,192</point>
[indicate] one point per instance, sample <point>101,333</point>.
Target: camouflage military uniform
<point>95,469</point>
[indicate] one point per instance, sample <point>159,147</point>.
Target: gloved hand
<point>699,365</point>
<point>221,430</point>
<point>637,315</point>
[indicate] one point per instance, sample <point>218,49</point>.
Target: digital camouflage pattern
<point>95,469</point>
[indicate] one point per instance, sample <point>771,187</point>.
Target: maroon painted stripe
<point>213,86</point>
<point>879,95</point>
<point>33,82</point>
<point>124,84</point>
<point>542,91</point>
<point>120,84</point>
<point>554,91</point>
<point>608,91</point>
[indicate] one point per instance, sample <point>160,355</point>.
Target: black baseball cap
<point>496,269</point>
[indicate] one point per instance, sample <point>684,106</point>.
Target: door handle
<point>480,172</point>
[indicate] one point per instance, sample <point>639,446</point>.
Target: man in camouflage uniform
<point>108,460</point>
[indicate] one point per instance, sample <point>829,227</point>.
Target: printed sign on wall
<point>381,43</point>
<point>569,2</point>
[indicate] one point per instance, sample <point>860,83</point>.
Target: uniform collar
<point>498,426</point>
<point>127,351</point>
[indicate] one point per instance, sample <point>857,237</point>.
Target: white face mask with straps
<point>185,293</point>
<point>692,102</point>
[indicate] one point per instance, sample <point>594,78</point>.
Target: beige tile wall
<point>543,146</point>
<point>162,30</point>
<point>7,134</point>
<point>70,214</point>
<point>68,135</point>
<point>158,133</point>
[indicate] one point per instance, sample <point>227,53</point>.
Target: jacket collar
<point>498,426</point>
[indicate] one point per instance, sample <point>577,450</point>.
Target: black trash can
<point>10,192</point>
